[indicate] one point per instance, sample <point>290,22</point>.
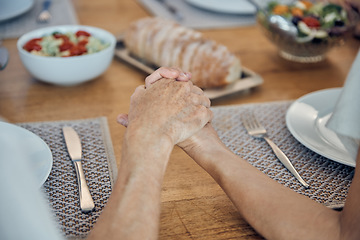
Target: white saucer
<point>32,147</point>
<point>225,6</point>
<point>306,119</point>
<point>13,8</point>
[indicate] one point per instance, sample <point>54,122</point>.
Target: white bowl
<point>67,71</point>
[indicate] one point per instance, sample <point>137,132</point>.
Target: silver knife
<point>4,56</point>
<point>73,145</point>
<point>172,9</point>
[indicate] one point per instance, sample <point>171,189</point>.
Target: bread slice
<point>162,42</point>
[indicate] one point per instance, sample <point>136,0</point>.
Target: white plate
<point>13,8</point>
<point>31,146</point>
<point>225,6</point>
<point>306,119</point>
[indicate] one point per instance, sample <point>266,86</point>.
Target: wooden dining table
<point>193,205</point>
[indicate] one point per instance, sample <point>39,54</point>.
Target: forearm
<point>275,211</point>
<point>133,209</point>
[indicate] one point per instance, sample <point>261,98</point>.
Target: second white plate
<point>306,119</point>
<point>225,6</point>
<point>13,8</point>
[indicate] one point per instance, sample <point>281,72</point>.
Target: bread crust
<point>165,43</point>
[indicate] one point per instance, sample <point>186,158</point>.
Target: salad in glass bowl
<point>304,31</point>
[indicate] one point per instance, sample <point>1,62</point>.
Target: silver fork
<point>255,129</point>
<point>45,15</point>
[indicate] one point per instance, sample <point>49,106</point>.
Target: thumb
<point>123,119</point>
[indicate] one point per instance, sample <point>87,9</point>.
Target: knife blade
<point>73,145</point>
<point>172,9</point>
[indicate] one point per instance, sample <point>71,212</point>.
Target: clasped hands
<point>168,106</point>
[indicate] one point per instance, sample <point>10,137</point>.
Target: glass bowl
<point>298,42</point>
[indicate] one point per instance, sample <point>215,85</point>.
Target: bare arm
<point>134,206</point>
<point>275,211</point>
<point>161,115</point>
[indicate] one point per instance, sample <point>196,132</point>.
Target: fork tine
<point>249,120</point>
<point>246,122</point>
<point>252,122</point>
<point>247,126</point>
<point>256,122</point>
<point>252,125</point>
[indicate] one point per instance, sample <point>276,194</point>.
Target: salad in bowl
<point>315,27</point>
<point>66,55</point>
<point>66,44</point>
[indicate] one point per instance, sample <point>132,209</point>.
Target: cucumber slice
<point>320,34</point>
<point>306,39</point>
<point>330,17</point>
<point>309,33</point>
<point>303,28</point>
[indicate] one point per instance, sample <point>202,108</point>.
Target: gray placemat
<point>62,12</point>
<point>197,18</point>
<point>99,166</point>
<point>329,181</point>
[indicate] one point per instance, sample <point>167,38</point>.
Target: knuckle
<point>208,102</point>
<point>197,89</point>
<point>161,69</point>
<point>195,99</point>
<point>184,86</point>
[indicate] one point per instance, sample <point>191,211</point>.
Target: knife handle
<point>86,201</point>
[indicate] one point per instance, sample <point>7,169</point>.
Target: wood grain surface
<point>193,205</point>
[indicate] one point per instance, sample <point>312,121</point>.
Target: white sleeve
<point>345,119</point>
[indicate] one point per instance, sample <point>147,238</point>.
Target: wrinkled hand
<point>160,73</point>
<point>176,109</point>
<point>201,141</point>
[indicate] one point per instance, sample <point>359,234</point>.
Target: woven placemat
<point>99,166</point>
<point>329,181</point>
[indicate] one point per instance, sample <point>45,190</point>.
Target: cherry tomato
<point>82,33</point>
<point>77,50</point>
<point>66,46</point>
<point>33,44</point>
<point>311,22</point>
<point>83,42</point>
